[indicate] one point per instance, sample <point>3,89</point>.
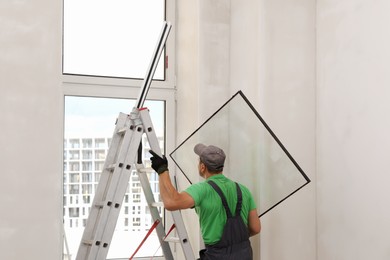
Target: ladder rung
<point>87,242</point>
<point>157,204</point>
<point>122,131</point>
<point>146,170</point>
<point>172,239</point>
<point>111,167</point>
<point>99,204</point>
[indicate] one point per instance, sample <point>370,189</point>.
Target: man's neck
<point>209,174</point>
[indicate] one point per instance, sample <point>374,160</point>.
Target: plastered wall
<point>273,61</point>
<point>30,130</point>
<point>267,50</point>
<point>318,72</point>
<point>353,79</point>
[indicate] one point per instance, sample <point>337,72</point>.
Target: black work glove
<point>159,164</point>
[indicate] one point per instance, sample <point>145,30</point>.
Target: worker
<point>226,210</point>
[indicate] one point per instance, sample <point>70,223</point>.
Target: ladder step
<point>87,242</point>
<point>157,204</point>
<point>99,204</point>
<point>146,170</point>
<point>121,131</point>
<point>111,167</point>
<point>172,239</point>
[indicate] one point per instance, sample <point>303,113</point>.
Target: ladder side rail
<point>109,207</point>
<point>118,193</point>
<point>177,217</point>
<point>147,190</point>
<point>183,236</point>
<point>100,194</point>
<point>154,212</point>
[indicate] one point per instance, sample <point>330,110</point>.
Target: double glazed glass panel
<point>255,156</point>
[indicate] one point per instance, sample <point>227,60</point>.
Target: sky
<point>96,117</point>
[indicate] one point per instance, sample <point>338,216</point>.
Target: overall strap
<point>239,200</point>
<point>224,201</point>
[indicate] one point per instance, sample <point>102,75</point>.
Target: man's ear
<point>202,167</point>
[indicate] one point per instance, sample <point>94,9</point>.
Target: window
<point>136,198</point>
<point>74,166</point>
<point>74,155</point>
<point>87,143</point>
<point>111,83</point>
<point>86,189</point>
<point>74,189</point>
<point>100,154</point>
<point>87,177</point>
<point>136,222</point>
<point>133,223</point>
<point>86,199</point>
<point>87,166</point>
<point>100,143</point>
<point>73,212</point>
<point>99,166</point>
<point>87,155</point>
<point>74,177</point>
<point>121,33</point>
<point>74,143</point>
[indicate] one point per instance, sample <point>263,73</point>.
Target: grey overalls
<point>234,243</point>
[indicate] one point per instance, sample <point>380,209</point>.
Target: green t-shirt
<point>208,205</point>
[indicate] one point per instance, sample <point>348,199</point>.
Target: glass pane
<point>254,155</point>
<point>89,125</point>
<point>112,38</point>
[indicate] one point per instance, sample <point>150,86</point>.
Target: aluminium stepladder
<point>120,162</point>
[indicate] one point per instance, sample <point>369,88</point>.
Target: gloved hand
<point>159,164</point>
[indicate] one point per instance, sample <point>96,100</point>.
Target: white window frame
<point>167,95</point>
<point>168,83</point>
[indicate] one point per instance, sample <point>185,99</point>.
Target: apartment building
<point>84,159</point>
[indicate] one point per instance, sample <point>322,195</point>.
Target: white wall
<point>267,50</point>
<point>353,138</point>
<point>203,48</point>
<point>319,75</point>
<point>187,71</point>
<point>31,130</point>
<point>273,61</point>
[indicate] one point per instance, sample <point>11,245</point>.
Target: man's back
<point>209,207</point>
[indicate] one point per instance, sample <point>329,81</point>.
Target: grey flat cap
<point>213,157</point>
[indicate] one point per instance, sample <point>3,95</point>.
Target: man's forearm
<point>167,191</point>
